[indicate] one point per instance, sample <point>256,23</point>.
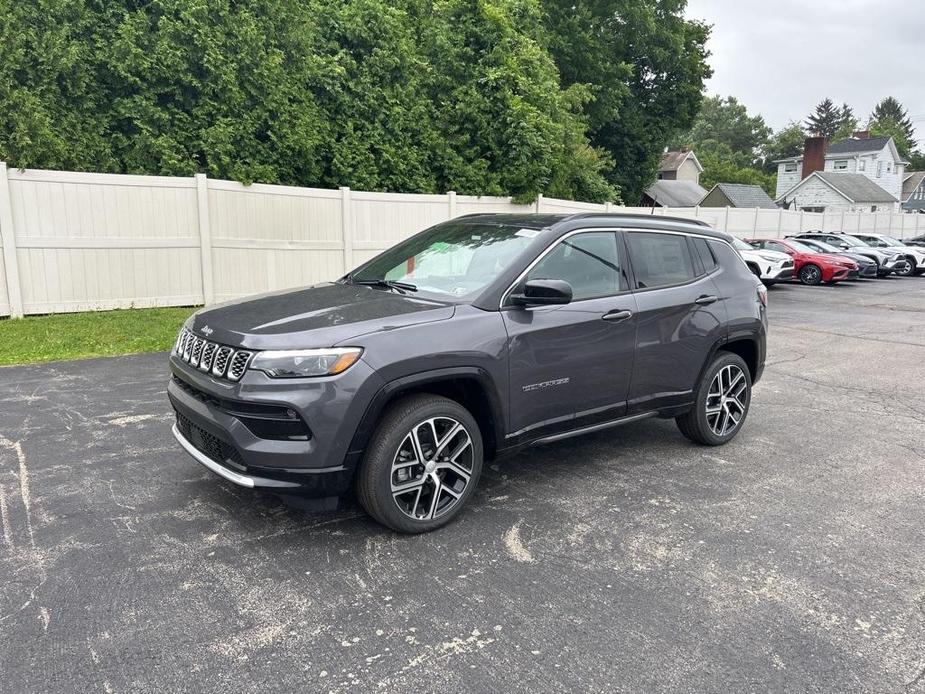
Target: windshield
<point>741,245</point>
<point>820,246</point>
<point>853,240</point>
<point>451,260</point>
<point>800,247</point>
<point>890,241</point>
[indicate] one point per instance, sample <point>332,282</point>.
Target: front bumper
<point>777,272</point>
<point>236,431</point>
<point>868,271</point>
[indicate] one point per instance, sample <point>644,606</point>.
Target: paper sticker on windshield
<point>528,233</point>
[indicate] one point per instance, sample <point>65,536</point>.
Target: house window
<point>813,209</point>
<point>790,167</point>
<point>879,169</point>
<point>889,167</point>
<point>861,164</point>
<point>841,164</point>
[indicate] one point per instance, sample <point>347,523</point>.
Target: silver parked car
<point>887,262</point>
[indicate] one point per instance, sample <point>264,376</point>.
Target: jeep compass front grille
<point>219,360</point>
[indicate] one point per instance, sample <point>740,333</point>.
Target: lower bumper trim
<point>221,471</point>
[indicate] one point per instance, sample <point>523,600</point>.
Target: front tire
<point>909,269</point>
<point>811,274</point>
<point>723,397</point>
<point>422,464</point>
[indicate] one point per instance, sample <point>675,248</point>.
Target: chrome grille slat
<point>215,359</point>
<point>238,364</point>
<point>197,351</point>
<point>208,353</point>
<point>221,361</point>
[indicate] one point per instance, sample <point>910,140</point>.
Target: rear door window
<point>660,259</point>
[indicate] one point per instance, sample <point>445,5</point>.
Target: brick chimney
<point>861,134</point>
<point>813,155</point>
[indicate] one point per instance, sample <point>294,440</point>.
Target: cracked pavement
<point>790,560</point>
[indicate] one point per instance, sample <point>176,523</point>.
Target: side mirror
<point>544,292</point>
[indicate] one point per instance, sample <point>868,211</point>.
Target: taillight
<point>763,295</point>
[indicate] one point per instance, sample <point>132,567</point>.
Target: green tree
<point>722,165</point>
<point>410,95</point>
<point>891,110</point>
<point>507,125</point>
<point>826,119</point>
<point>848,123</point>
<point>645,64</point>
<point>786,142</point>
<point>727,120</point>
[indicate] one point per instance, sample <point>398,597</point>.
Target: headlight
<point>770,258</point>
<point>306,363</point>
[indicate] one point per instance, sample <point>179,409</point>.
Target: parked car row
<point>817,257</point>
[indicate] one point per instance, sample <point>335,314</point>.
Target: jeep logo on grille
<point>206,330</point>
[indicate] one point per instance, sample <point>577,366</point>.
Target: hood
<point>855,257</point>
<point>324,315</point>
<point>771,254</point>
<point>870,250</point>
<point>822,258</point>
<point>905,250</point>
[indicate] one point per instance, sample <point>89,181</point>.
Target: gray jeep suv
<point>465,343</point>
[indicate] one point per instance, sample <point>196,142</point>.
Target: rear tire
<point>811,274</point>
<point>723,398</point>
<point>422,464</point>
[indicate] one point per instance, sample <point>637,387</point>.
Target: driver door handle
<point>617,316</point>
<point>706,300</point>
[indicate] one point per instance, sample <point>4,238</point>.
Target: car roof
<point>560,223</point>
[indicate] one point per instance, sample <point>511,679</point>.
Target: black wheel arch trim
<point>414,382</point>
<point>738,336</point>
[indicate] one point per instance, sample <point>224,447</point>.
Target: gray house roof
<point>855,146</point>
<point>856,187</point>
<point>745,195</point>
<point>671,161</point>
<point>676,193</point>
<point>912,181</point>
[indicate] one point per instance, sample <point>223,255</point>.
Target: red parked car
<point>810,267</point>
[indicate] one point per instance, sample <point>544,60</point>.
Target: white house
<point>873,158</point>
<point>833,191</point>
<point>876,158</point>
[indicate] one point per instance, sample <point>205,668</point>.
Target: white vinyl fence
<point>81,241</point>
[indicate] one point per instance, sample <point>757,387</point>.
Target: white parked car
<point>914,255</point>
<point>768,266</point>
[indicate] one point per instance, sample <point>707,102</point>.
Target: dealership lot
<point>630,560</point>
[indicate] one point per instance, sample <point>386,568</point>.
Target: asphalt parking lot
<point>791,560</point>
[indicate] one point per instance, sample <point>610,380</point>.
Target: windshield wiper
<point>401,287</point>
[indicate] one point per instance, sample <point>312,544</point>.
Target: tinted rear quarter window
<point>706,255</point>
<point>660,260</point>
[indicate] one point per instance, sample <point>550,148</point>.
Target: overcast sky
<point>782,57</point>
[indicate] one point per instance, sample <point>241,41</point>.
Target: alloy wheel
<point>810,274</point>
<point>727,400</point>
<point>432,468</point>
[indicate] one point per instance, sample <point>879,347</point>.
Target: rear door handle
<point>706,300</point>
<point>617,316</point>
